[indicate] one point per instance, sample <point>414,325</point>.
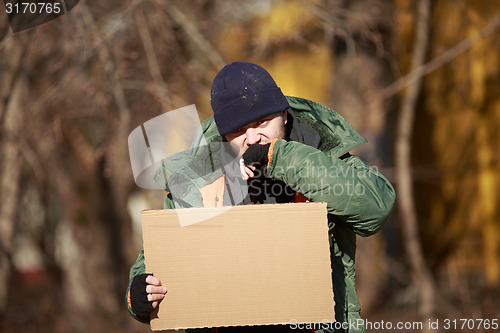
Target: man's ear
<point>285,113</point>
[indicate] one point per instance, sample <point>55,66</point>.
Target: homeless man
<point>287,143</point>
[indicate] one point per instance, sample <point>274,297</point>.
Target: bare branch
<point>336,25</point>
<point>11,166</point>
<point>5,38</point>
<point>181,19</point>
<point>107,63</point>
<point>152,88</point>
<point>424,69</point>
<point>420,272</point>
<point>161,90</point>
<point>11,61</point>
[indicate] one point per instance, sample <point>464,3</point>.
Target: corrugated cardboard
<point>249,265</point>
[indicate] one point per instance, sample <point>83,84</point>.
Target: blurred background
<point>420,80</point>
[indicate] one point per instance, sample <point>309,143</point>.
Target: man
<point>292,150</point>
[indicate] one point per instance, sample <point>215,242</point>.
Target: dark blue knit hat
<point>243,92</point>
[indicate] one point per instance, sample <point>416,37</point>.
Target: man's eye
<point>263,121</point>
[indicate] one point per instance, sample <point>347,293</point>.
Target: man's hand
<point>253,158</point>
<point>145,293</point>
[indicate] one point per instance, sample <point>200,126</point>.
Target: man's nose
<point>252,136</point>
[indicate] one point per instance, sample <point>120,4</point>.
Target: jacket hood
<point>337,134</point>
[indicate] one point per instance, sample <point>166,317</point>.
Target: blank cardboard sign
<point>249,265</point>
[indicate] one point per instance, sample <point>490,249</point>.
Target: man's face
<point>261,131</point>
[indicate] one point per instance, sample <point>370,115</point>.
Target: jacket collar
<point>337,134</point>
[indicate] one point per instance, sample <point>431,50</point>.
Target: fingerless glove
<point>256,155</point>
<point>139,297</point>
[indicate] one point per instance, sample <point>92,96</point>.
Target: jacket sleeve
<point>355,194</point>
<point>139,266</point>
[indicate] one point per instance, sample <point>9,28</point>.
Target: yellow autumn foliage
<point>462,132</point>
<point>286,20</point>
<point>312,82</point>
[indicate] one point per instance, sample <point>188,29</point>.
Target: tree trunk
<point>420,272</point>
<point>11,91</point>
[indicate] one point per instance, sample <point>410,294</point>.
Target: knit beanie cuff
<point>249,108</point>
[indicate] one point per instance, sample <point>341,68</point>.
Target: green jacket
<point>359,199</point>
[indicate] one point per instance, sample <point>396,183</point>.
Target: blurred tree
<point>462,101</point>
<point>452,143</point>
<point>420,273</point>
